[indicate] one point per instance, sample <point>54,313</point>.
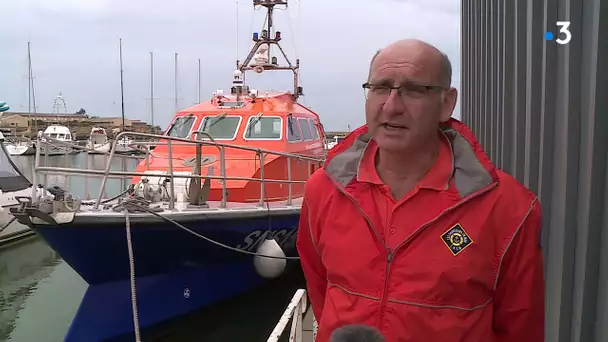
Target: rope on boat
<point>7,224</point>
<point>138,204</point>
<point>132,277</point>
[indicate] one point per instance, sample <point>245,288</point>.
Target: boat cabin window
<point>313,129</point>
<point>233,104</point>
<point>305,127</point>
<point>293,131</point>
<point>181,126</point>
<point>264,127</point>
<point>57,135</point>
<point>220,127</point>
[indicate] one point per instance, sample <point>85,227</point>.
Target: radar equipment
<point>261,51</point>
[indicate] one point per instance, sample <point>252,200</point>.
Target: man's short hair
<point>445,72</point>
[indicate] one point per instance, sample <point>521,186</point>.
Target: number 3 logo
<point>564,29</point>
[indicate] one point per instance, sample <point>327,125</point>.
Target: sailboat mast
<point>29,80</point>
<point>175,83</point>
<point>122,94</point>
<point>31,90</point>
<point>198,99</point>
<point>152,91</point>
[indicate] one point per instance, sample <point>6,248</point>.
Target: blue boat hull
<point>176,272</point>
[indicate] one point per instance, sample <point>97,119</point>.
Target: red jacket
<point>420,291</point>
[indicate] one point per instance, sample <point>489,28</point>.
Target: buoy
<point>259,69</point>
<point>269,267</point>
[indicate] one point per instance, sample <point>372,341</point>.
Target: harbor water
<point>40,293</point>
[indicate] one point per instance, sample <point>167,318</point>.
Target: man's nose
<point>394,103</point>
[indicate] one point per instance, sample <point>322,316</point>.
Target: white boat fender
<point>269,267</point>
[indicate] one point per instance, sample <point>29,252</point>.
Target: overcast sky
<point>75,50</point>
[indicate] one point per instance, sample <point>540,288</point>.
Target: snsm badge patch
<point>456,239</point>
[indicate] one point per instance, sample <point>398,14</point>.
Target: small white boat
<point>52,148</point>
<point>20,147</point>
<point>126,146</point>
<point>98,142</point>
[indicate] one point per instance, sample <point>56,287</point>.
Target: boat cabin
<point>58,132</point>
<point>270,122</point>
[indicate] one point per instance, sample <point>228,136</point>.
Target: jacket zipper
<point>391,252</point>
<point>369,221</point>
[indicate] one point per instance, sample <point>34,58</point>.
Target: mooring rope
<point>132,277</point>
<point>138,204</point>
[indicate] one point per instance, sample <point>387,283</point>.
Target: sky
<point>75,51</point>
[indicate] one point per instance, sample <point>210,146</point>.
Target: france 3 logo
<point>564,36</point>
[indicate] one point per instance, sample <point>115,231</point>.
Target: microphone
<point>356,333</point>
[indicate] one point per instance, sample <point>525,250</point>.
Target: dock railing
<point>294,313</point>
<point>157,140</point>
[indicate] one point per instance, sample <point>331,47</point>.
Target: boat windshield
<point>268,128</point>
<point>181,127</point>
<point>58,136</point>
<point>220,128</point>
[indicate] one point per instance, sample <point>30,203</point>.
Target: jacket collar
<point>472,172</point>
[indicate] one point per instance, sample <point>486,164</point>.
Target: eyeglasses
<point>408,90</point>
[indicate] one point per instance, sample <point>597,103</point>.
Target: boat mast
<point>152,92</point>
<point>266,39</point>
<point>29,80</point>
<point>122,93</point>
<point>31,92</point>
<point>175,84</point>
<point>198,99</point>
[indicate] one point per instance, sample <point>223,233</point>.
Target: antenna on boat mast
<point>261,50</point>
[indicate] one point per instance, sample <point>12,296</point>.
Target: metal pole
<point>29,79</point>
<point>122,95</point>
<point>175,82</point>
<point>195,182</point>
<point>152,92</point>
<point>262,184</point>
<point>289,181</point>
<point>223,174</point>
<point>171,176</point>
<point>122,108</point>
<point>199,81</point>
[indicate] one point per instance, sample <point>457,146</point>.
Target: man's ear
<point>449,103</point>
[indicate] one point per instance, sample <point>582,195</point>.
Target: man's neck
<point>407,165</point>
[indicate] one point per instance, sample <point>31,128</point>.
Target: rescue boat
<point>212,212</point>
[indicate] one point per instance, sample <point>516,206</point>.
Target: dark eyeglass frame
<point>367,86</point>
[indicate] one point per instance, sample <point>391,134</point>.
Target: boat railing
<point>170,142</point>
<point>295,313</point>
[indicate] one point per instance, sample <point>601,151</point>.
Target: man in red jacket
<point>410,229</point>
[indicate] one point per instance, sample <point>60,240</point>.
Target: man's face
<point>399,122</point>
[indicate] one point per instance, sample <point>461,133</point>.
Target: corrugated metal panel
<point>540,109</point>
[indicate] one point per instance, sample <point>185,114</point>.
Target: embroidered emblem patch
<point>456,239</point>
